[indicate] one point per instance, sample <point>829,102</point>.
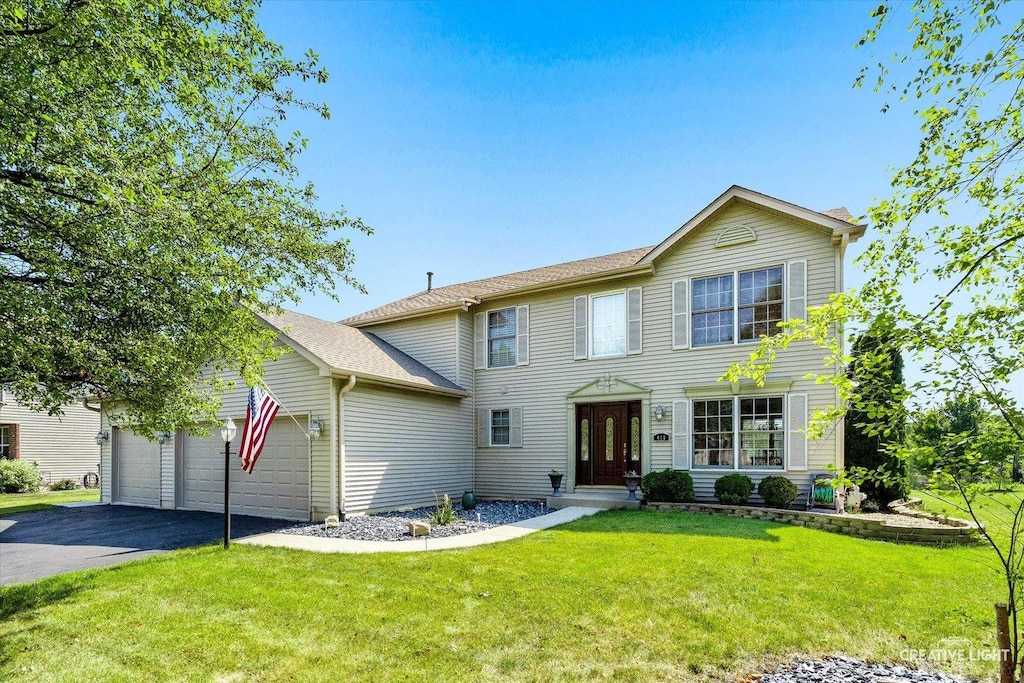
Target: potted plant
<point>556,483</point>
<point>632,482</point>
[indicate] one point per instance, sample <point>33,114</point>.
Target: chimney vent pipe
<point>430,280</point>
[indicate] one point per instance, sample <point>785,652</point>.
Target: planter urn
<point>556,483</point>
<point>632,483</point>
<point>468,500</point>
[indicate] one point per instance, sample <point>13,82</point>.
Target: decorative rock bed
<point>920,529</point>
<point>394,526</point>
<point>846,670</point>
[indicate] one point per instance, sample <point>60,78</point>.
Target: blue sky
<point>481,139</point>
<point>484,138</point>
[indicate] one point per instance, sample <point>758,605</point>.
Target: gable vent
<point>737,234</point>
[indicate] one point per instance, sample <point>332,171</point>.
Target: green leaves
<point>148,203</point>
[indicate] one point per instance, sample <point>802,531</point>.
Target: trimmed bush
<point>64,485</point>
<point>668,486</point>
<point>778,492</point>
<point>734,489</point>
<point>17,476</point>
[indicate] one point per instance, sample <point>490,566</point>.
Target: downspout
<point>85,404</point>
<point>341,443</point>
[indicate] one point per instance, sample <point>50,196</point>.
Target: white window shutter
<point>796,432</point>
<point>681,314</point>
<point>483,428</point>
<point>580,328</point>
<point>680,435</point>
<point>515,427</point>
<point>480,341</point>
<point>522,335</point>
<point>634,320</point>
<point>796,290</point>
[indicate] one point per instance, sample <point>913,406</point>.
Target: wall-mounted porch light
<point>659,412</point>
<point>316,427</point>
<point>162,437</point>
<point>102,437</point>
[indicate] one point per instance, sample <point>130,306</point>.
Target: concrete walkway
<point>492,535</point>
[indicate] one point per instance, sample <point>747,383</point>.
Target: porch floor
<point>611,498</point>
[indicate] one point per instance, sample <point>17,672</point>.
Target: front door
<point>608,442</point>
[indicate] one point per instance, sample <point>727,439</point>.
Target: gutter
<point>403,384</point>
<point>340,431</point>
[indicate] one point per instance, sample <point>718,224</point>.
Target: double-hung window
<point>608,325</point>
<point>743,306</point>
<point>5,442</point>
<point>501,338</point>
<point>739,433</point>
<point>500,423</point>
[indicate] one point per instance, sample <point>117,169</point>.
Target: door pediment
<point>607,386</point>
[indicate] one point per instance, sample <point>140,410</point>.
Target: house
<point>60,446</point>
<point>593,367</point>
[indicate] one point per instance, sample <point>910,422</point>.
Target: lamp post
<point>227,432</point>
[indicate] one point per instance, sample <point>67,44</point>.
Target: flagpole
<point>281,403</point>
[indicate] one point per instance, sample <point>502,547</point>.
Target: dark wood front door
<point>608,442</point>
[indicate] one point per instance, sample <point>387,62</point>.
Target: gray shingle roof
<point>353,351</point>
<point>841,213</point>
<point>455,294</point>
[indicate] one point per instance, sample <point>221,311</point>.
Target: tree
<point>877,370</point>
<point>149,207</point>
<point>953,225</point>
<point>961,437</point>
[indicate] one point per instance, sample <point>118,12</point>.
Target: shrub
<point>443,514</point>
<point>778,492</point>
<point>734,489</point>
<point>669,486</point>
<point>17,476</point>
<point>64,485</point>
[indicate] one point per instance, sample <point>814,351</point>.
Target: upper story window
<point>608,325</point>
<point>722,312</point>
<point>501,338</point>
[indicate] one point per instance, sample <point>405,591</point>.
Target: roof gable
<point>342,350</point>
<point>834,222</point>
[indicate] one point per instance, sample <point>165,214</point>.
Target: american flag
<point>258,416</point>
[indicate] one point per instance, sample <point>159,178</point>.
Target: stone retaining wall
<point>960,533</point>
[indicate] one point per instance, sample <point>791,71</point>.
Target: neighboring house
<point>61,447</point>
<point>593,367</point>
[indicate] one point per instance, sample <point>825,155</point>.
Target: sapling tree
<point>953,227</point>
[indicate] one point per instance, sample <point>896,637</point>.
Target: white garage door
<point>136,469</point>
<point>278,486</point>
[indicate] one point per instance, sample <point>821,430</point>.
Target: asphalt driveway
<point>34,545</point>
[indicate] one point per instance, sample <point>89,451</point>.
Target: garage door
<point>278,486</point>
<point>136,469</point>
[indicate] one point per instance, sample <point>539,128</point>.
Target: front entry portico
<point>608,432</point>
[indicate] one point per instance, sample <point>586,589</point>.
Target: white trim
<point>490,427</point>
<point>735,275</point>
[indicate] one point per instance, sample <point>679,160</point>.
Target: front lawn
<point>633,596</point>
<point>11,503</point>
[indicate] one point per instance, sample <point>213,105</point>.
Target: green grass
<point>630,596</point>
<point>994,510</point>
<point>11,503</point>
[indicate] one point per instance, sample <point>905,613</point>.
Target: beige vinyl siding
<point>402,448</point>
<point>543,386</point>
<point>298,385</point>
<point>62,447</point>
<point>431,341</point>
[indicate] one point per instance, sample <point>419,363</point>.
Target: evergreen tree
<point>877,369</point>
